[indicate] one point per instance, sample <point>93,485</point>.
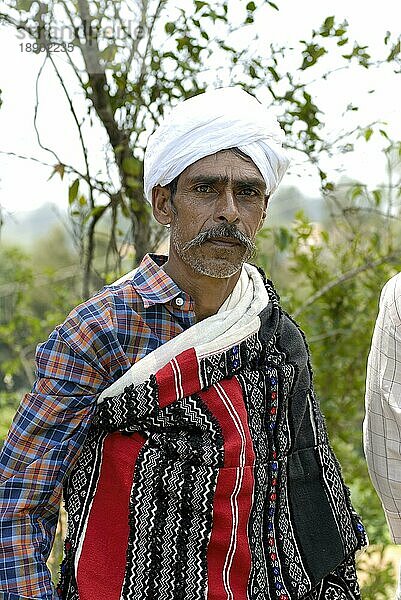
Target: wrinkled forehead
<point>230,164</point>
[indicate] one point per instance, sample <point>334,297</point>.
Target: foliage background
<point>328,264</point>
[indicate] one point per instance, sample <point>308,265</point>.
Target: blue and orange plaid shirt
<point>95,345</point>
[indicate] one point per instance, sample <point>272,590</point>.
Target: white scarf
<point>236,320</point>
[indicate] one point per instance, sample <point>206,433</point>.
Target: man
<point>382,425</point>
<point>176,406</point>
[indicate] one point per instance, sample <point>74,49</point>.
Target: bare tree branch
<point>326,335</point>
<point>90,246</point>
<point>376,211</point>
<point>75,117</point>
<point>36,112</point>
<point>135,43</point>
<point>96,183</point>
<point>142,71</point>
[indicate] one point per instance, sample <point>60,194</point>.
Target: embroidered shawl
<point>207,471</point>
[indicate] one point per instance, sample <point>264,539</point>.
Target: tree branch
<point>343,278</point>
<point>36,111</point>
<point>135,44</point>
<point>96,183</point>
<point>74,114</point>
<point>355,209</point>
<point>141,77</point>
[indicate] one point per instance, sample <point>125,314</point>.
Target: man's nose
<point>226,208</point>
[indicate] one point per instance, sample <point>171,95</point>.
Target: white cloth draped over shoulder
<point>207,123</point>
<point>237,319</point>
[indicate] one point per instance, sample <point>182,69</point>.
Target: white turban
<point>210,122</point>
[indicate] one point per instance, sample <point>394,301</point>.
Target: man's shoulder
<point>98,331</point>
<point>122,291</point>
<point>392,287</point>
<point>109,304</point>
<point>278,324</point>
<point>390,298</point>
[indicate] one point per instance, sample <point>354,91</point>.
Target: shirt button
<point>179,301</point>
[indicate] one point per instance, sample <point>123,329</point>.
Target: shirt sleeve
<point>44,440</point>
<point>382,425</point>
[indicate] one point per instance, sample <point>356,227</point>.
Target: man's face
<point>218,207</point>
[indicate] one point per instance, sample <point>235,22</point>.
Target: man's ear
<point>161,204</point>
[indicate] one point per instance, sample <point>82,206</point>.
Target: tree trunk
<point>142,236</point>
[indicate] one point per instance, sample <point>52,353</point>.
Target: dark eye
<point>203,188</point>
<point>248,192</point>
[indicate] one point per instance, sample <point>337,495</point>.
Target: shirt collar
<point>152,283</point>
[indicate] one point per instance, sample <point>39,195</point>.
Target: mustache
<point>220,231</point>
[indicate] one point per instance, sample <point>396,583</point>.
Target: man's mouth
<point>222,237</point>
<point>224,241</point>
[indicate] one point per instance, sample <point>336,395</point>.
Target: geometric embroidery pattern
<point>337,496</point>
<point>177,471</point>
<point>297,573</point>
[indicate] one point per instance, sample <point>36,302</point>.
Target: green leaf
<point>356,191</point>
<point>182,42</point>
<point>96,212</point>
<point>73,191</point>
<point>109,53</point>
<point>273,5</point>
<point>274,73</point>
<point>251,6</point>
<point>133,183</point>
<point>377,195</point>
<point>170,55</point>
<point>368,133</point>
<point>199,5</point>
<point>252,72</point>
<point>169,27</point>
<point>328,23</point>
<point>325,236</point>
<point>132,166</point>
<point>283,238</point>
<point>136,205</point>
<point>82,201</point>
<point>24,4</point>
<point>395,51</point>
<point>60,168</point>
<point>311,55</point>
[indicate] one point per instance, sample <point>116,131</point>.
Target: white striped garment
<point>382,425</point>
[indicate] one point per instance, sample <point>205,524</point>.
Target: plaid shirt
<point>97,343</point>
